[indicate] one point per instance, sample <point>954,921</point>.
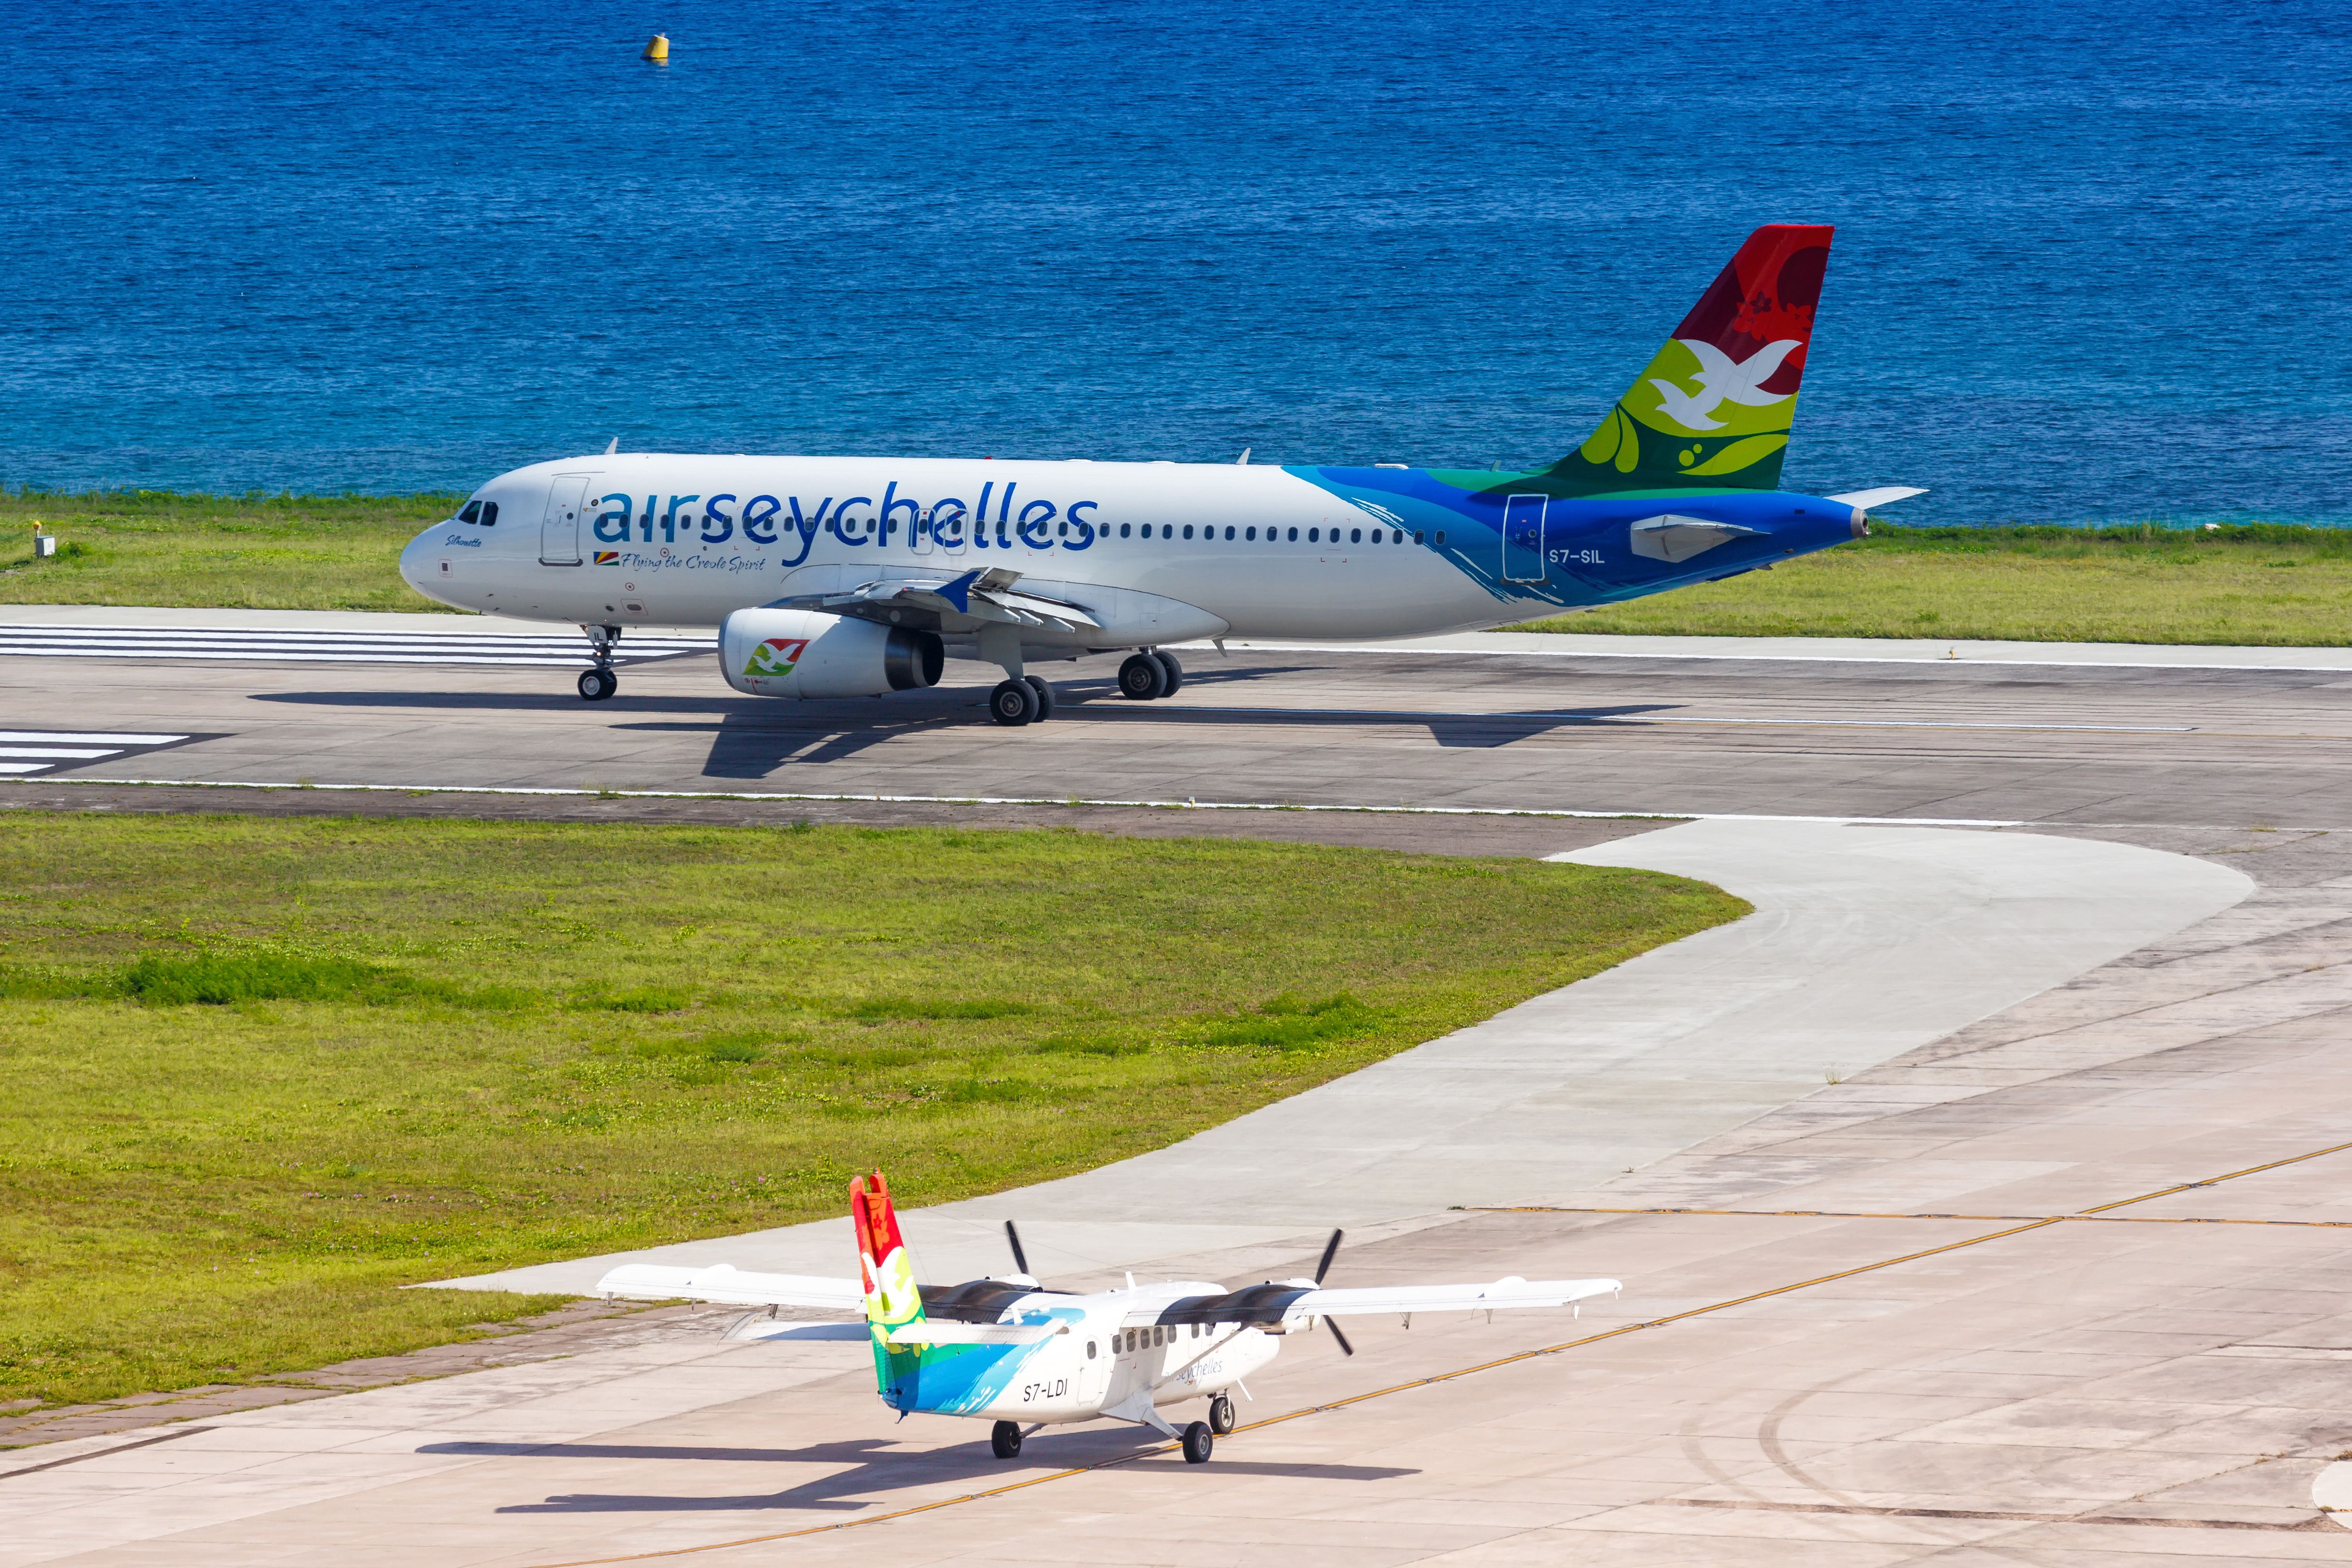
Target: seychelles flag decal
<point>608,558</point>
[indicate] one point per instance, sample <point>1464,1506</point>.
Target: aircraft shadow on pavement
<point>872,1470</point>
<point>755,737</point>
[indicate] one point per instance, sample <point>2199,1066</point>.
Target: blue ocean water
<point>2091,259</point>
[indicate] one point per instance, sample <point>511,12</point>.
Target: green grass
<point>254,552</point>
<point>255,1074</point>
<point>2253,584</point>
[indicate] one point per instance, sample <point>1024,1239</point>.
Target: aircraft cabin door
<point>1523,555</point>
<point>559,531</point>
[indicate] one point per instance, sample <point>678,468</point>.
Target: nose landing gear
<point>1221,1414</point>
<point>599,682</point>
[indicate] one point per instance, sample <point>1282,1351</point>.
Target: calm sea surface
<point>2093,260</point>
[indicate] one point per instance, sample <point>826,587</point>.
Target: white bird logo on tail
<point>1720,380</point>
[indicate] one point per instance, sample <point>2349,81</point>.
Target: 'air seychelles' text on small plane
<point>847,577</point>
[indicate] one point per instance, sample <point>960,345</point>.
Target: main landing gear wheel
<point>597,684</point>
<point>1175,671</point>
<point>1014,702</point>
<point>1044,697</point>
<point>1143,677</point>
<point>1199,1444</point>
<point>1004,1439</point>
<point>1221,1415</point>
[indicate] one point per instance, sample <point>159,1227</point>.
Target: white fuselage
<point>1159,551</point>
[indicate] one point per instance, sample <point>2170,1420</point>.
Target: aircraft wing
<point>1275,1301</point>
<point>724,1282</point>
<point>1401,1299</point>
<point>981,594</point>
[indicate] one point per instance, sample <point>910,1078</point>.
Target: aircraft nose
<point>412,563</point>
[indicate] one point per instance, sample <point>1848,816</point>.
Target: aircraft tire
<point>1221,1414</point>
<point>595,685</point>
<point>1004,1440</point>
<point>1044,697</point>
<point>1198,1443</point>
<point>1142,678</point>
<point>1014,703</point>
<point>1175,671</point>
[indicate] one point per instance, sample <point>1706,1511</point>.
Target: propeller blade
<point>1330,1249</point>
<point>1020,1258</point>
<point>1333,1324</point>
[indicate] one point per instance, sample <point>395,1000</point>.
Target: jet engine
<point>802,653</point>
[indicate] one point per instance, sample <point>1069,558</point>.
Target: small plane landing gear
<point>1143,677</point>
<point>1014,703</point>
<point>1004,1440</point>
<point>1221,1414</point>
<point>1044,697</point>
<point>1175,671</point>
<point>1198,1443</point>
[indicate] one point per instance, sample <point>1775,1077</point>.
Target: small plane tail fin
<point>893,1299</point>
<point>1713,407</point>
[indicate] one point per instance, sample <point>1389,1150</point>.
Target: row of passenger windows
<point>1314,535</point>
<point>484,512</point>
<point>1152,1339</point>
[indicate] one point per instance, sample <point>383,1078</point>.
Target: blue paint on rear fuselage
<point>1587,553</point>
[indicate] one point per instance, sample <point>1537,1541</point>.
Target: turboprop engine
<point>802,653</point>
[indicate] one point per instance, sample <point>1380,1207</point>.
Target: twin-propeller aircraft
<point>860,577</point>
<point>1008,1350</point>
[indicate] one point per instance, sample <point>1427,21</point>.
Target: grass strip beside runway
<point>2244,584</point>
<point>255,1074</point>
<point>238,552</point>
<point>2251,584</point>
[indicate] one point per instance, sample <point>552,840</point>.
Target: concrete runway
<point>2059,1285</point>
<point>1802,734</point>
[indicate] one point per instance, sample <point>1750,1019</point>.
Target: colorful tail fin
<point>1713,407</point>
<point>892,1296</point>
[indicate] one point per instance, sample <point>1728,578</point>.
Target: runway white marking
<point>87,747</point>
<point>257,647</point>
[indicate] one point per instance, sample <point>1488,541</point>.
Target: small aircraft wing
<point>725,1283</point>
<point>1401,1299</point>
<point>1275,1301</point>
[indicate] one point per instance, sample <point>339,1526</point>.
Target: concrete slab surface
<point>1866,942</point>
<point>1949,740</point>
<point>2127,1368</point>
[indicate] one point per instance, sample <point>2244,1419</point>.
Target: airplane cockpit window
<point>489,514</point>
<point>472,513</point>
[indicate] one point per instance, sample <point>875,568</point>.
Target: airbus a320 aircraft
<point>860,577</point>
<point>1007,1351</point>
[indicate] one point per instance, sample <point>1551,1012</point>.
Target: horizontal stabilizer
<point>768,1329</point>
<point>946,1332</point>
<point>725,1283</point>
<point>1885,495</point>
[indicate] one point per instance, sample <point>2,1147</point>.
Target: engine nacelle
<point>803,653</point>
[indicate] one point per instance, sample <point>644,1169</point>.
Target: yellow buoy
<point>659,48</point>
